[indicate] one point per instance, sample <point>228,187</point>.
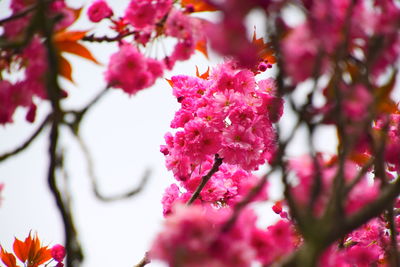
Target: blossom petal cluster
<point>229,114</point>
<point>149,22</point>
<point>194,236</point>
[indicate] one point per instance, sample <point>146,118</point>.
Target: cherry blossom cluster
<point>148,22</point>
<point>30,61</point>
<point>305,170</point>
<point>355,46</point>
<point>330,24</point>
<point>194,237</point>
<point>227,113</point>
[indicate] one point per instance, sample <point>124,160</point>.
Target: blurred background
<point>123,134</point>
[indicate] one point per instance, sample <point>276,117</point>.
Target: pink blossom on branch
<point>99,10</point>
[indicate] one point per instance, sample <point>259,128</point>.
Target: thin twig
<point>205,178</point>
<point>145,260</point>
<point>245,201</point>
<point>20,14</point>
<point>92,38</point>
<point>93,178</point>
<point>26,144</point>
<point>373,209</point>
<point>79,114</point>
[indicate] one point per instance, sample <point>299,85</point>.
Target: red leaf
<point>201,46</point>
<point>265,51</point>
<point>21,249</point>
<point>65,68</point>
<point>359,158</point>
<point>7,258</point>
<point>64,36</point>
<point>203,76</point>
<point>198,5</point>
<point>41,256</point>
<point>76,49</point>
<point>171,83</point>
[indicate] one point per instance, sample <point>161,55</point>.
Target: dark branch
<point>245,201</point>
<point>74,252</point>
<point>92,38</point>
<point>144,261</point>
<point>20,14</point>
<point>26,144</point>
<point>205,178</point>
<point>94,179</point>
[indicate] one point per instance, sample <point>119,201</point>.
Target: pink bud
<point>58,252</point>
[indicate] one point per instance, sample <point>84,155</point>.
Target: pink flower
<point>171,194</point>
<point>129,70</point>
<point>300,49</point>
<point>356,102</point>
<point>58,253</point>
<point>363,256</point>
<point>178,25</point>
<point>99,10</point>
<point>191,237</point>
<point>141,14</point>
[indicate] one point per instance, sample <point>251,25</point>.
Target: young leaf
<point>76,49</point>
<point>265,51</point>
<point>21,249</point>
<point>198,5</point>
<point>69,36</point>
<point>7,258</point>
<point>201,46</point>
<point>204,75</point>
<point>65,68</point>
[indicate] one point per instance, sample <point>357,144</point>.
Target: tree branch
<point>26,144</point>
<point>205,179</point>
<point>93,178</point>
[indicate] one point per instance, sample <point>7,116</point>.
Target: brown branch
<point>20,14</point>
<point>93,178</point>
<point>74,252</point>
<point>29,141</point>
<point>78,115</point>
<point>119,37</point>
<point>144,261</point>
<point>373,209</point>
<point>245,201</point>
<point>205,179</point>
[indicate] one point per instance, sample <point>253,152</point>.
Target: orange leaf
<point>65,68</point>
<point>7,258</point>
<point>201,46</point>
<point>265,51</point>
<point>203,76</point>
<point>384,103</point>
<point>198,5</point>
<point>76,49</point>
<point>69,36</point>
<point>359,158</point>
<point>21,249</point>
<point>171,83</point>
<point>41,256</point>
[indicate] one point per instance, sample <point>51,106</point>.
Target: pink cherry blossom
<point>99,10</point>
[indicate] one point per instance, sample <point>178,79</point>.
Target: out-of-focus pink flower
<point>58,253</point>
<point>356,102</point>
<point>99,10</point>
<point>129,70</point>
